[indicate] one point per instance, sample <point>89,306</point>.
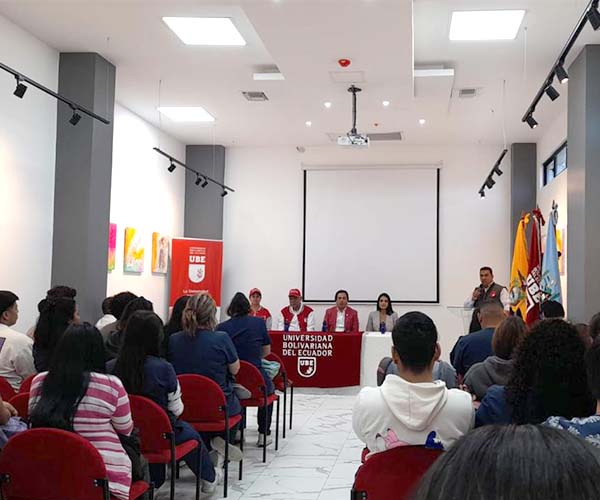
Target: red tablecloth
<point>316,359</point>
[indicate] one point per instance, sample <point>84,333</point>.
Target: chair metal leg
<point>177,470</point>
<point>199,471</point>
<point>291,405</point>
<point>277,427</point>
<point>226,468</point>
<point>242,444</point>
<point>284,407</point>
<point>172,439</point>
<point>265,424</point>
<point>151,492</point>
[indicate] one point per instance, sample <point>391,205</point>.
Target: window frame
<point>551,163</point>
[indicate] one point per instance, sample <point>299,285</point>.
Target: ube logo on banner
<point>196,272</point>
<point>307,367</point>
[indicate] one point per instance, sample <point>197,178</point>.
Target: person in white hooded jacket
<point>411,408</point>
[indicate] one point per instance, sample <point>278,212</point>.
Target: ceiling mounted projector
<point>353,138</point>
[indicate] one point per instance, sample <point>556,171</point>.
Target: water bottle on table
<point>324,327</point>
<point>382,327</point>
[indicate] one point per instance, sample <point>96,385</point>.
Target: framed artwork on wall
<point>160,253</point>
<point>112,246</point>
<point>133,261</point>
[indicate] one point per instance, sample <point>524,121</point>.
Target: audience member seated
<point>410,408</point>
<point>55,292</point>
<point>441,371</point>
<point>477,346</point>
<point>525,463</point>
<point>114,341</point>
<point>76,395</point>
<point>252,343</point>
<point>551,309</point>
<point>298,317</point>
<point>10,423</point>
<point>117,306</point>
<point>107,317</point>
<point>584,334</point>
<point>56,314</point>
<point>174,324</point>
<point>594,330</point>
<point>257,310</point>
<point>548,379</point>
<point>383,318</point>
<point>341,318</point>
<point>144,373</point>
<point>496,369</point>
<point>587,427</point>
<point>201,350</point>
<point>16,357</point>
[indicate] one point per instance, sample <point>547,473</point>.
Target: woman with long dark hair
<point>56,314</point>
<point>384,317</point>
<point>75,395</point>
<point>252,343</point>
<point>175,323</point>
<point>143,372</point>
<point>114,341</point>
<point>548,378</point>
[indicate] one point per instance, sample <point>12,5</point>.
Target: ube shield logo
<point>307,367</point>
<point>196,272</point>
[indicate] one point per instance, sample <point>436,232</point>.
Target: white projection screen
<point>370,230</point>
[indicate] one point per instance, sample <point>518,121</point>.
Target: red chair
<point>6,390</point>
<point>26,384</point>
<point>157,440</point>
<point>392,474</point>
<point>282,382</point>
<point>21,403</point>
<point>205,409</point>
<point>53,464</point>
<point>251,378</point>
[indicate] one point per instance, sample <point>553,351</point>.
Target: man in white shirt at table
<point>298,317</point>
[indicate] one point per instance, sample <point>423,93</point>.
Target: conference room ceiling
<point>305,39</point>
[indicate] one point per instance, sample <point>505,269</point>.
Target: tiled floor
<point>316,461</point>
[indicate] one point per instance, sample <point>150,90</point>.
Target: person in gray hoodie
<point>411,408</point>
<point>496,369</point>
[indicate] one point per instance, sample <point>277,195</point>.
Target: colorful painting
<point>133,261</point>
<point>160,253</point>
<point>112,246</point>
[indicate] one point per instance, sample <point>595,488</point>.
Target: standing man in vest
<point>341,318</point>
<point>487,291</point>
<point>297,317</point>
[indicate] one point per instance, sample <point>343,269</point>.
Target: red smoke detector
<point>344,63</point>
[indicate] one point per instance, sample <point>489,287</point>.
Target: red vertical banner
<point>534,291</point>
<point>196,266</point>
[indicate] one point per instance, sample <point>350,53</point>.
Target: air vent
<point>467,93</point>
<point>255,96</point>
<point>386,136</point>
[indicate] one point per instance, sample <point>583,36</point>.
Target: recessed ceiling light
<point>308,124</point>
<point>386,103</point>
<point>422,121</point>
<point>205,30</point>
<point>190,114</point>
<point>486,25</point>
<point>327,104</point>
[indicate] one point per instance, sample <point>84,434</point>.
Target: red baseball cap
<point>294,292</point>
<point>253,291</point>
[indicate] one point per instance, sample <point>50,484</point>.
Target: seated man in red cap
<point>341,317</point>
<point>297,317</point>
<point>257,310</point>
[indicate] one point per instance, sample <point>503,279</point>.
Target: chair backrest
<point>274,357</point>
<point>250,377</point>
<point>203,399</point>
<point>6,390</point>
<point>392,474</point>
<point>152,422</point>
<point>51,464</point>
<point>21,403</point>
<point>26,384</point>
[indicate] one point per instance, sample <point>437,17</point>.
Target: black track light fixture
<point>482,192</point>
<point>21,88</point>
<point>489,182</point>
<point>561,73</point>
<point>224,193</point>
<point>496,170</point>
<point>594,18</point>
<point>552,93</point>
<point>74,120</point>
<point>172,167</point>
<point>531,121</point>
<point>198,180</point>
<point>205,183</point>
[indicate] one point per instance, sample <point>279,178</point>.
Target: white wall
<point>144,195</point>
<point>263,223</point>
<point>27,159</point>
<point>555,135</point>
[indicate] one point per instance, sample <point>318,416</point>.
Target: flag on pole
<point>550,282</point>
<point>534,293</point>
<point>519,270</point>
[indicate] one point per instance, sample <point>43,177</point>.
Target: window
<point>555,165</point>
